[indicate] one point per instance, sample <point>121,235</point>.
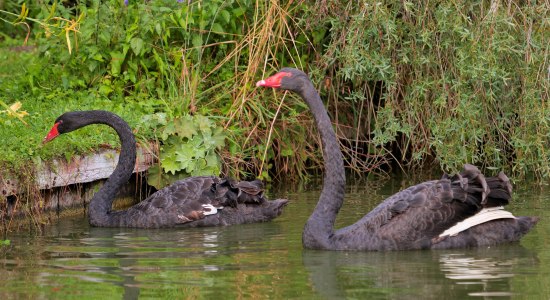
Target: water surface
<point>70,259</point>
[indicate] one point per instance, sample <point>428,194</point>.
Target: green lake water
<point>71,260</point>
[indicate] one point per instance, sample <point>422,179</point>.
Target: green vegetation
<point>408,84</point>
<point>452,82</point>
<point>189,145</point>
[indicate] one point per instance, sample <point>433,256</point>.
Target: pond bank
<point>61,187</point>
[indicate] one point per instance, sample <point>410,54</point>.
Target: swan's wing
<point>194,198</point>
<point>242,214</point>
<point>411,218</point>
<point>488,234</point>
<point>178,203</point>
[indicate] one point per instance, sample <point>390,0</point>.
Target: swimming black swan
<point>420,217</point>
<point>191,202</point>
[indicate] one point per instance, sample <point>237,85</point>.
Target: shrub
<point>455,82</point>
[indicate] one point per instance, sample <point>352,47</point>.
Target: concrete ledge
<point>80,169</point>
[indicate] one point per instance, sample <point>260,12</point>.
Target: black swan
<point>420,217</point>
<point>191,202</point>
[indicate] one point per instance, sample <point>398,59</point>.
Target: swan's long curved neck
<point>320,225</point>
<point>102,201</point>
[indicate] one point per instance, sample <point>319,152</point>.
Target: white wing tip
<point>209,209</point>
<point>483,216</point>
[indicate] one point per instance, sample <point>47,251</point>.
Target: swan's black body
<point>411,219</point>
<point>191,202</point>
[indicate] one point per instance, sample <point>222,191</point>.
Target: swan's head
<point>67,122</point>
<point>287,79</point>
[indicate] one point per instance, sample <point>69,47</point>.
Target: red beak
<point>273,81</point>
<point>52,134</point>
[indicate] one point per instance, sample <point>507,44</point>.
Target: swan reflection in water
<point>450,274</point>
<point>137,259</point>
<point>463,267</point>
<point>481,270</point>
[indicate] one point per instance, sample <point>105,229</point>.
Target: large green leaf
<point>218,137</point>
<point>169,130</point>
<point>170,164</point>
<point>117,59</point>
<point>137,45</point>
<point>186,127</point>
<point>212,160</point>
<point>155,177</point>
<point>185,155</point>
<point>204,124</point>
<point>196,166</point>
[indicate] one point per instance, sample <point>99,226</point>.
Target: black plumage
<point>191,202</point>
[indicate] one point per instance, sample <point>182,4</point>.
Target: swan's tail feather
<point>469,186</point>
<point>250,191</point>
<point>500,190</point>
<point>230,192</point>
<point>472,187</point>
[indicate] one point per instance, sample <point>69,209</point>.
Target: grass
<point>22,143</point>
<point>43,101</point>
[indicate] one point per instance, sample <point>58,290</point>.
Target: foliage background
<point>408,85</point>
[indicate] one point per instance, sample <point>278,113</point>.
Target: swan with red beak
<point>464,210</point>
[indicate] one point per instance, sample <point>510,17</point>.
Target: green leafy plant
<point>188,146</point>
